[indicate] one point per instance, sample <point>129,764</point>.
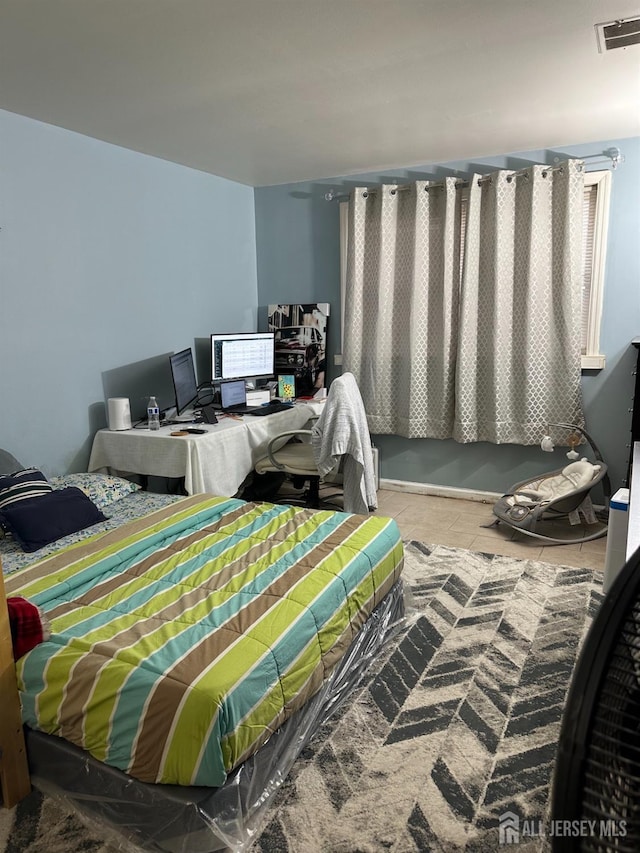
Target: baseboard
<point>439,491</point>
<point>450,492</point>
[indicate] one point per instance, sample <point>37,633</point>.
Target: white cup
<point>119,413</point>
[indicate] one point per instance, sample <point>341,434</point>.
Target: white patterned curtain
<point>401,307</point>
<point>519,343</point>
<point>494,359</point>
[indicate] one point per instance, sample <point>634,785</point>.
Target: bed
<point>196,644</point>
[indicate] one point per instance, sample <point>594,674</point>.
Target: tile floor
<point>458,523</point>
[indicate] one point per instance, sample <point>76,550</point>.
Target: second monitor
<point>184,379</point>
<point>243,355</point>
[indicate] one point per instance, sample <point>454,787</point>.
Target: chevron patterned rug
<point>457,724</point>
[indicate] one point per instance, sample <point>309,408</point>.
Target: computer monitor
<point>244,355</point>
<point>232,393</point>
<point>184,379</point>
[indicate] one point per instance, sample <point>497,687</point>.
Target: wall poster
<point>301,344</point>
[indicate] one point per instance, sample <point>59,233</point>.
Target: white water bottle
<point>153,414</point>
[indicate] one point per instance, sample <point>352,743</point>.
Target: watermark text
<point>512,829</point>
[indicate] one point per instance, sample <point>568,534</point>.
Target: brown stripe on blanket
<point>325,666</point>
<point>388,582</point>
<point>158,718</point>
<point>139,569</point>
<point>200,655</point>
<point>60,560</point>
<point>320,672</point>
<point>161,709</point>
<point>302,515</point>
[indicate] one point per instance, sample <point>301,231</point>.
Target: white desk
<point>217,462</point>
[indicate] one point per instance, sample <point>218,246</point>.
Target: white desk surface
<point>633,530</point>
<point>217,462</point>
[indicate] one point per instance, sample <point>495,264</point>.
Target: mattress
<point>187,633</point>
<point>182,640</point>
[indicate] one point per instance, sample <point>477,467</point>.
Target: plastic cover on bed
<point>175,819</point>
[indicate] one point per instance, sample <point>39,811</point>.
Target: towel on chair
<point>342,431</point>
<point>29,626</point>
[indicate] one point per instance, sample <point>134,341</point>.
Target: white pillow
<point>103,489</point>
<point>580,473</point>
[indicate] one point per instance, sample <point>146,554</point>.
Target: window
<point>595,211</point>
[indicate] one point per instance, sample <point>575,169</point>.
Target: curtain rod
<point>436,185</point>
<point>612,154</point>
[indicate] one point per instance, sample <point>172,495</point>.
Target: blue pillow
<point>35,522</point>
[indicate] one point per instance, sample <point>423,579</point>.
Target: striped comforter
<point>183,639</point>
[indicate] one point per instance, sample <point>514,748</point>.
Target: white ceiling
<point>275,91</point>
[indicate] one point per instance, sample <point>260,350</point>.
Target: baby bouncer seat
<point>535,506</point>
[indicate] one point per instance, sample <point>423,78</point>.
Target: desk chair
<point>291,454</point>
<point>337,443</point>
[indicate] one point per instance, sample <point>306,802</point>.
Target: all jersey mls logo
<point>512,829</point>
<point>509,828</point>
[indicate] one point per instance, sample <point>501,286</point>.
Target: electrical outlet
<point>337,359</point>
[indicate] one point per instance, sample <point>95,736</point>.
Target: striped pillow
<point>28,483</point>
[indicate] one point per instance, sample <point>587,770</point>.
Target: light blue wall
<point>107,257</point>
<point>297,235</point>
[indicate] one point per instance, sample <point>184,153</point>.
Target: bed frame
<point>187,814</point>
<point>14,769</point>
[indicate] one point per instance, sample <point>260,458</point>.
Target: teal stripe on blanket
<point>181,643</point>
<point>71,588</point>
<point>65,590</point>
<point>182,573</point>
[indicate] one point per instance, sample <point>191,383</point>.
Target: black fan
<point>597,771</point>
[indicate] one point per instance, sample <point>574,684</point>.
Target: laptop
<point>233,397</point>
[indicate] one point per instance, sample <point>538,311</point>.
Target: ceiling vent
<point>618,34</point>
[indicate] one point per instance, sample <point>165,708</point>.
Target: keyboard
<point>270,408</point>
